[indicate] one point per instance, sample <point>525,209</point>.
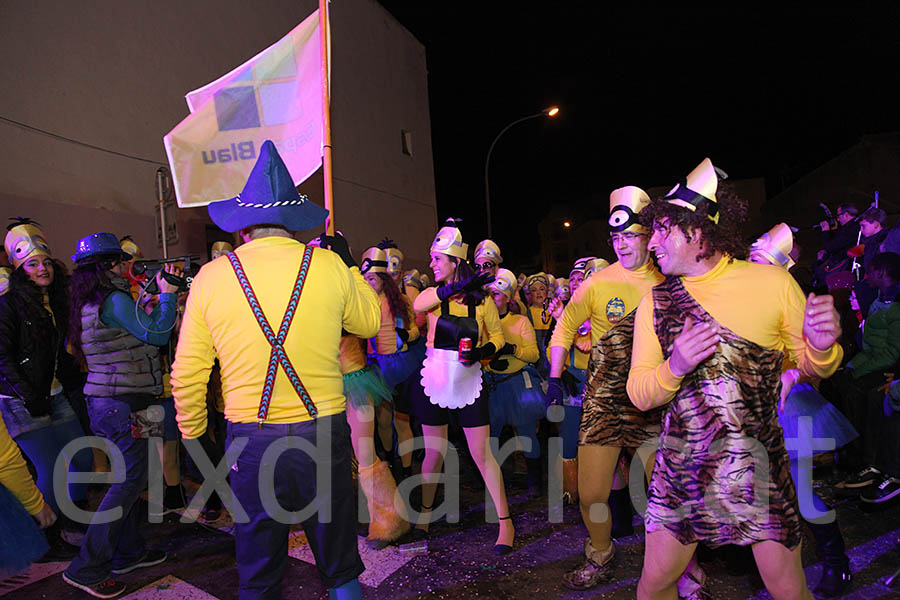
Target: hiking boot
<point>595,569</point>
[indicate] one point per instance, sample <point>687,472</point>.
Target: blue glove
<point>555,391</point>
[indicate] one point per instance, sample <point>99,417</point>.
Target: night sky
<point>645,94</point>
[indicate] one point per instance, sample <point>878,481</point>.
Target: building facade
<point>90,91</point>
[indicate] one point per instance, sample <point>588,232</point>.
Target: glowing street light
<point>550,111</point>
<point>566,224</point>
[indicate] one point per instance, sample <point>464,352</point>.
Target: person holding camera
<point>121,353</point>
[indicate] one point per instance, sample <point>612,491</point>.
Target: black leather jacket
<point>32,350</point>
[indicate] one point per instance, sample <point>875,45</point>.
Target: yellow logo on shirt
<point>615,310</point>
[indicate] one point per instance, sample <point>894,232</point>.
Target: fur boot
<point>385,523</point>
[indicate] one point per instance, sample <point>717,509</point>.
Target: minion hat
<point>552,280</point>
<point>128,245</point>
<point>449,240</point>
<point>624,205</point>
<point>520,280</point>
<point>374,260</point>
<point>505,283</point>
<point>776,245</point>
<point>218,249</point>
<point>394,256</point>
<point>24,239</point>
<point>538,278</point>
<point>698,189</point>
<point>426,280</point>
<point>413,278</point>
<point>562,284</point>
<point>582,263</point>
<point>598,264</point>
<point>5,272</point>
<point>489,250</point>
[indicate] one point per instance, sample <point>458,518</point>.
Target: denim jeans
<point>108,546</point>
<point>262,543</point>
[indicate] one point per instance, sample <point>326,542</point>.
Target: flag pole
<point>326,118</point>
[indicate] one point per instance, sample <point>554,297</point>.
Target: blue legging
<point>43,445</point>
<point>568,430</point>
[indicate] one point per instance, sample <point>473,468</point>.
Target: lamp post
<point>547,112</point>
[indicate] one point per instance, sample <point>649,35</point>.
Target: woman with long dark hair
<point>38,378</point>
<point>458,317</point>
<point>119,345</point>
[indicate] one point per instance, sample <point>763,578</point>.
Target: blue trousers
<point>262,543</point>
<point>108,546</point>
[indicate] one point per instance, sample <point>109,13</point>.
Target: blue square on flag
<point>280,102</point>
<point>236,108</point>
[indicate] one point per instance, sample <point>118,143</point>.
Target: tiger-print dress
<point>722,474</point>
<point>608,417</point>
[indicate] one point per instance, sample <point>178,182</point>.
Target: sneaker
<point>864,478</point>
<point>150,558</point>
<point>109,588</point>
<point>886,489</point>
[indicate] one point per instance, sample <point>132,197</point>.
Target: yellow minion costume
<point>130,247</point>
<point>5,272</point>
<point>479,323</point>
<point>23,241</point>
<point>218,249</point>
<point>539,318</point>
<point>389,348</point>
<point>513,384</point>
<point>487,251</point>
<point>734,393</point>
<point>774,247</point>
<point>605,421</point>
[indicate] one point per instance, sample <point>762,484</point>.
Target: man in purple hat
<point>288,437</point>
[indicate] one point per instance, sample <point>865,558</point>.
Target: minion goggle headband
<point>685,197</point>
<point>766,245</point>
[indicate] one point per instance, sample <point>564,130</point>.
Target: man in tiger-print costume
<point>609,422</point>
<point>708,347</point>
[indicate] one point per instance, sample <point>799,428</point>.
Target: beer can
<point>465,344</point>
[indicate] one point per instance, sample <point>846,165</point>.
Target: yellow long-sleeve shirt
<point>581,350</point>
<point>760,303</point>
<point>14,474</point>
<point>605,298</point>
<point>218,322</point>
<point>386,338</point>
<point>489,328</point>
<point>519,332</point>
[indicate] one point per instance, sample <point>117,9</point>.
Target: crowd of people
<point>699,369</point>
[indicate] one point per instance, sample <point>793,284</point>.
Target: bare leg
<point>781,570</point>
<point>477,439</point>
<point>171,462</point>
<point>665,559</point>
<point>435,448</point>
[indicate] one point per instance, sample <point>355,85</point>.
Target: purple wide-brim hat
<point>269,198</point>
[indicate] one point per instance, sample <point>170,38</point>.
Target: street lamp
<point>551,111</point>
